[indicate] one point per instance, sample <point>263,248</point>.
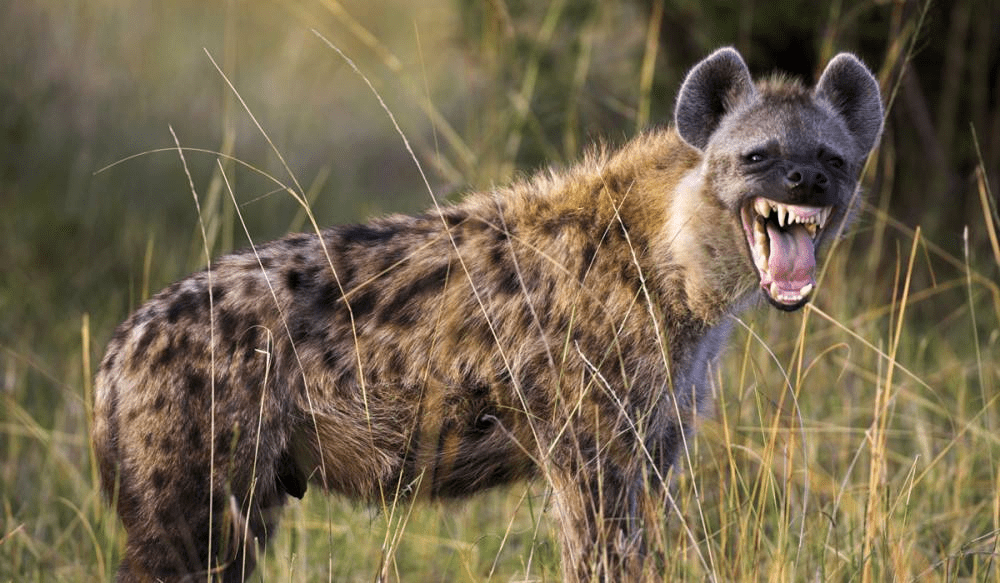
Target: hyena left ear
<point>852,90</point>
<point>713,88</point>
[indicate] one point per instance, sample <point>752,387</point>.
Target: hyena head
<point>784,160</point>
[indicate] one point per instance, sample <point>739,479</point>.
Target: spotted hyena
<point>561,328</point>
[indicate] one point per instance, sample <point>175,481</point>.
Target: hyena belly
<point>562,327</point>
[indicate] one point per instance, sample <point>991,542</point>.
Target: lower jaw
<point>788,304</point>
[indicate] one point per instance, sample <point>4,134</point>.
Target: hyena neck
<point>688,244</point>
<point>701,249</point>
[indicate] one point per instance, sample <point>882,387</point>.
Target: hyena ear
<point>852,90</point>
<point>713,88</point>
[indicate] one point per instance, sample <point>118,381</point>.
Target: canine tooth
<point>782,214</point>
<point>761,255</point>
<point>762,207</point>
<point>760,231</point>
<point>806,289</point>
<point>812,228</point>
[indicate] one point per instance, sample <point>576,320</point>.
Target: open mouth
<point>782,240</point>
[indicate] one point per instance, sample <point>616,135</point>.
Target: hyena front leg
<point>603,513</point>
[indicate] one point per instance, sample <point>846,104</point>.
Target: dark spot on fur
<point>391,258</point>
<point>221,385</point>
<point>498,255</point>
<point>403,306</point>
<point>139,354</point>
<point>508,283</point>
<point>302,327</point>
<point>453,216</point>
<point>159,479</point>
<point>147,440</point>
<point>249,287</point>
<point>326,298</point>
<point>194,382</point>
<point>254,383</point>
<point>166,444</point>
<point>553,226</point>
<point>298,240</point>
<point>188,305</point>
<point>587,260</point>
<point>121,333</point>
<point>397,364</point>
<point>480,329</point>
<point>345,275</point>
<point>293,278</point>
<point>621,230</point>
<point>331,357</point>
<point>224,442</point>
<point>160,402</point>
<point>218,293</point>
<point>128,498</point>
<point>363,303</point>
<point>250,340</point>
<point>367,235</point>
<point>229,321</point>
<point>194,437</point>
<point>109,360</point>
<point>177,348</point>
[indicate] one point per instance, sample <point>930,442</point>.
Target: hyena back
<point>562,327</point>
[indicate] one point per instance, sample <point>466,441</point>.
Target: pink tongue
<point>793,258</point>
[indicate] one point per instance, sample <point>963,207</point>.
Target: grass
<point>856,440</point>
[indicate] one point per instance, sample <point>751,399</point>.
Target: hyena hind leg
<point>168,534</point>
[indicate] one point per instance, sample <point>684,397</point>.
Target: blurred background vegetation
<point>96,212</point>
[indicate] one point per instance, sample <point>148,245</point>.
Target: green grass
<point>856,440</point>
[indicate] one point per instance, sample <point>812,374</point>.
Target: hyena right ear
<point>853,91</point>
<point>712,88</point>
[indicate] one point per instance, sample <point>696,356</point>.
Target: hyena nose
<point>806,181</point>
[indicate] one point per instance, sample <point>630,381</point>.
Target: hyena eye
<point>755,157</point>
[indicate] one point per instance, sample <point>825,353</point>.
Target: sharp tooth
<point>763,209</point>
<point>811,227</point>
<point>782,214</point>
<point>824,215</point>
<point>806,289</point>
<point>761,257</point>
